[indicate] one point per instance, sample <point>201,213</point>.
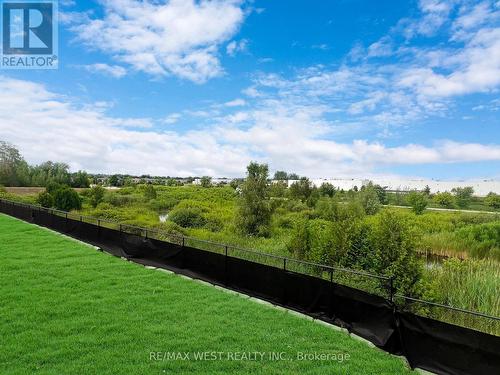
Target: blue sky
<point>346,88</point>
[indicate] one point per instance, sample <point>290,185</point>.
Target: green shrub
<point>369,199</point>
<point>206,181</point>
<point>163,203</point>
<point>417,201</point>
<point>52,187</point>
<point>482,238</point>
<point>149,192</point>
<point>299,244</point>
<point>321,244</point>
<point>118,200</point>
<point>295,205</point>
<point>301,189</point>
<point>67,199</point>
<point>463,196</point>
<point>44,199</point>
<point>395,251</point>
<point>187,217</point>
<point>327,209</point>
<point>445,200</point>
<point>95,195</point>
<point>492,200</point>
<point>254,211</point>
<point>170,228</point>
<point>284,221</point>
<point>213,223</point>
<point>327,189</point>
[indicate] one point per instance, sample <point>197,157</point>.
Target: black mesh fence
<point>363,303</point>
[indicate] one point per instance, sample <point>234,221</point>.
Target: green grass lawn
<point>66,308</point>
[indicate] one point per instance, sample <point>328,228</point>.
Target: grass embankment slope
<point>68,309</point>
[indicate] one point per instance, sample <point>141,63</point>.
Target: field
<point>68,309</point>
<point>209,213</point>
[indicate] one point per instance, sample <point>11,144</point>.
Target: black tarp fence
<point>429,344</point>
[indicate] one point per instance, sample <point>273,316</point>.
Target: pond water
<point>163,217</point>
<point>433,260</point>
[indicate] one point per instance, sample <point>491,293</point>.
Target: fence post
<point>183,254</point>
<point>391,291</point>
<point>98,228</point>
<point>284,277</point>
<point>225,265</point>
<point>330,294</point>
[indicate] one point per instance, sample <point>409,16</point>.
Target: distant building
<point>215,181</point>
<point>481,187</point>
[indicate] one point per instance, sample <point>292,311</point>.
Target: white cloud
<point>236,103</point>
<point>180,37</point>
<point>288,137</point>
<point>115,71</point>
<point>381,48</point>
<point>172,118</point>
<point>473,16</point>
<point>434,15</point>
<point>323,46</point>
<point>475,68</point>
<point>235,47</point>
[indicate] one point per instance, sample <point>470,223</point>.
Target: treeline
<point>15,171</point>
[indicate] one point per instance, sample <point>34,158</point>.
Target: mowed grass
<point>66,308</point>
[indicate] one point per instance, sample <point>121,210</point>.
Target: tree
<point>47,172</point>
<point>463,195</point>
<point>427,190</point>
<point>293,176</point>
<point>80,179</point>
<point>327,209</point>
<point>394,248</point>
<point>44,199</point>
<point>66,199</point>
<point>278,189</point>
<point>444,199</point>
<point>281,176</point>
<point>96,195</point>
<point>52,187</point>
<point>299,244</point>
<point>368,198</point>
<point>150,192</point>
<point>492,200</point>
<point>206,181</point>
<point>327,189</point>
<point>301,189</point>
<point>381,194</point>
<point>172,182</point>
<point>253,216</point>
<point>114,180</point>
<point>417,201</point>
<point>14,171</point>
<point>234,184</point>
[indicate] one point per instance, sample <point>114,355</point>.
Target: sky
<point>326,89</point>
